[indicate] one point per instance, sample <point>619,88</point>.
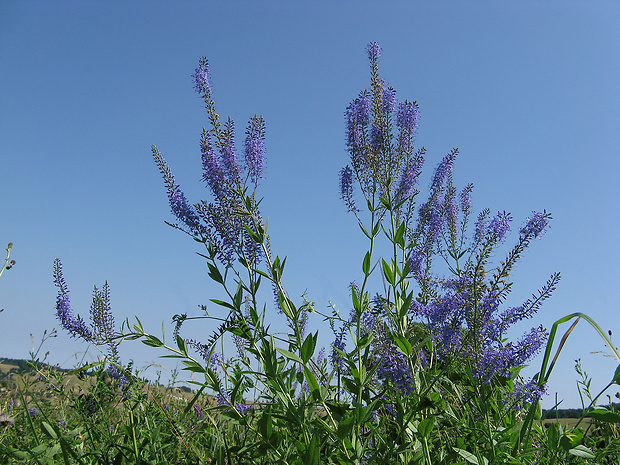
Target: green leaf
<point>345,427</point>
<point>261,272</point>
<point>290,355</point>
<point>351,385</point>
<point>259,236</point>
<point>287,306</point>
<point>83,368</point>
<point>313,452</point>
<point>426,426</point>
<point>314,385</point>
<point>356,301</point>
<point>582,451</point>
<point>238,299</point>
<point>399,237</point>
<point>48,430</point>
<point>152,341</point>
<point>471,458</point>
<point>193,366</point>
<point>138,326</point>
<point>181,345</point>
<point>376,228</point>
<point>571,439</point>
<point>243,330</point>
<point>616,379</point>
<point>364,230</point>
<point>215,274</point>
<point>388,272</point>
<point>223,304</point>
<point>265,425</point>
<point>403,344</point>
<point>307,348</point>
<point>366,264</point>
<point>364,341</point>
<point>406,304</point>
<point>276,269</point>
<point>605,415</point>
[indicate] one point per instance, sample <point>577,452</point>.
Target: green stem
<point>133,437</point>
<point>6,261</point>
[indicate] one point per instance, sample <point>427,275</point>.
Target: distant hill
<point>11,365</point>
<point>19,367</point>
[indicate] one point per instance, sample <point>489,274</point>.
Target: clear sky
<point>527,90</point>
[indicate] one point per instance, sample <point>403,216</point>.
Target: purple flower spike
<point>359,110</point>
<point>199,412</point>
<point>346,188</point>
<point>223,399</point>
<point>389,100</point>
<point>417,261</point>
<point>529,392</point>
<point>536,224</point>
<point>443,170</point>
<point>340,344</point>
<point>407,116</point>
<point>500,225</point>
<point>74,326</point>
<point>213,173</point>
<point>357,117</point>
<point>374,51</point>
<point>465,199</point>
<point>103,320</point>
<point>255,147</point>
<point>409,175</point>
<point>377,138</point>
<point>202,82</point>
<point>229,152</point>
<point>393,363</point>
<point>101,313</point>
<point>178,202</point>
<point>481,225</point>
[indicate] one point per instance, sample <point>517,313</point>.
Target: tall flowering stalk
<point>462,313</point>
<point>383,164</point>
<point>74,325</point>
<point>102,331</point>
<point>231,227</point>
<point>218,222</point>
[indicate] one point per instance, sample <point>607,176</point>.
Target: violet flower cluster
<point>464,313</point>
<point>223,400</point>
<point>383,163</point>
<point>102,328</point>
<point>219,222</point>
<point>392,364</point>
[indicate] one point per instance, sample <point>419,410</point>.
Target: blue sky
<point>527,90</point>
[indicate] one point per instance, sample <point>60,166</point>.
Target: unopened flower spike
<point>255,148</point>
<point>202,78</point>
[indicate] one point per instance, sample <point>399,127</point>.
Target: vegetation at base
<point>52,415</point>
<point>13,369</point>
